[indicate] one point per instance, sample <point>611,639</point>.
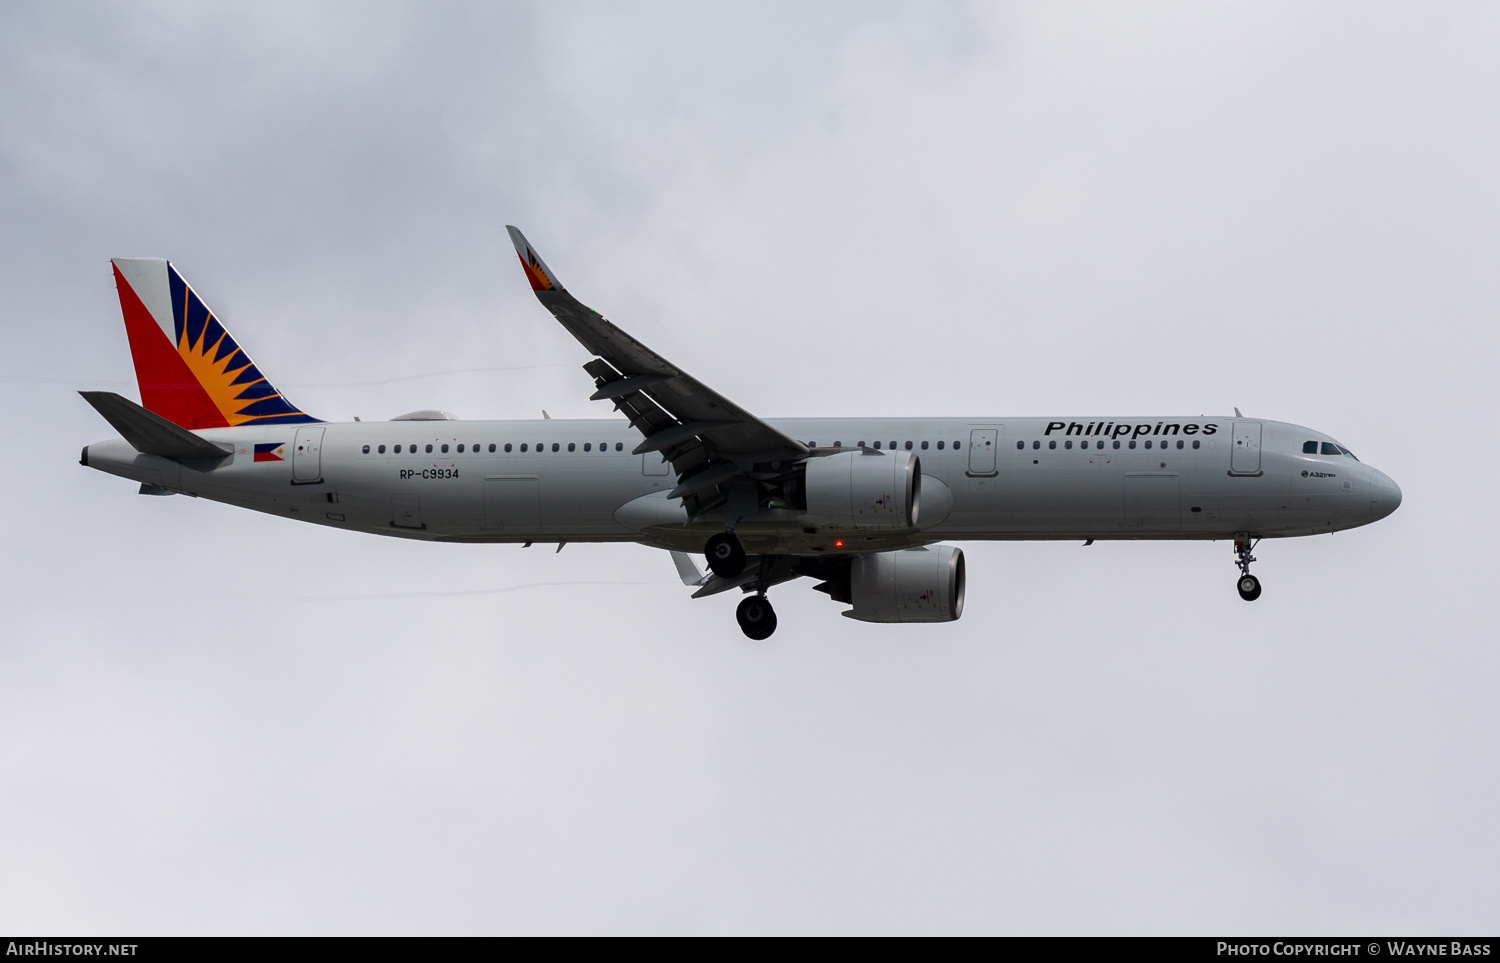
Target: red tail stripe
<point>168,388</point>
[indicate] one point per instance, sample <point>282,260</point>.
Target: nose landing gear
<point>726,556</point>
<point>756,617</point>
<point>1248,584</point>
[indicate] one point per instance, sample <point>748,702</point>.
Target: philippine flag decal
<point>275,451</point>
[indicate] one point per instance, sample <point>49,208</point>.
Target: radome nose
<point>1385,493</point>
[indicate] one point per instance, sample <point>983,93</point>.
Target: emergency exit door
<point>307,456</point>
<point>1244,458</point>
<point>982,445</point>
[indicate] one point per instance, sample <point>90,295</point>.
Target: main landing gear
<point>726,556</point>
<point>1248,584</point>
<point>726,559</point>
<point>756,617</point>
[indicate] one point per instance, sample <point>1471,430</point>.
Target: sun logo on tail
<point>535,273</point>
<point>227,375</point>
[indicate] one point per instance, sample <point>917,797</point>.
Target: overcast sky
<point>213,721</point>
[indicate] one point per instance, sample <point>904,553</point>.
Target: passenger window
<point>429,449</point>
<point>1330,449</point>
<point>1117,443</point>
<point>877,446</point>
<point>1019,445</point>
<point>604,446</point>
<point>1309,448</point>
<point>619,446</point>
<point>1179,444</point>
<point>956,446</point>
<point>1100,445</point>
<point>861,444</point>
<point>940,446</point>
<point>893,446</point>
<point>398,449</point>
<point>1132,443</point>
<point>507,447</point>
<point>908,446</point>
<point>1195,443</point>
<point>572,446</point>
<point>1068,444</point>
<point>1148,443</point>
<point>1035,445</point>
<point>381,449</point>
<point>523,446</point>
<point>445,449</point>
<point>367,449</point>
<point>460,449</point>
<point>1052,444</point>
<point>924,446</point>
<point>838,444</point>
<point>588,446</point>
<point>556,446</point>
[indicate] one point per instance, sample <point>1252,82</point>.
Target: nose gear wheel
<point>1248,585</point>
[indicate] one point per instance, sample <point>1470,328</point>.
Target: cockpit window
<point>1348,452</point>
<point>1329,448</point>
<point>1309,448</point>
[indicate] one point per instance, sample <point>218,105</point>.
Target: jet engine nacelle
<point>867,489</point>
<point>913,585</point>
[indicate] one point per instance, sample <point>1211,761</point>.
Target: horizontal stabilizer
<point>148,432</point>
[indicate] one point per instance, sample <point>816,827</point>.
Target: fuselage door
<point>1245,458</point>
<point>307,455</point>
<point>1152,503</point>
<point>512,503</point>
<point>406,511</point>
<point>982,445</point>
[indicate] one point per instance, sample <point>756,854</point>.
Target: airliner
<point>862,506</point>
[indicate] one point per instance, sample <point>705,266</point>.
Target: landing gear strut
<point>1248,584</point>
<point>726,556</point>
<point>756,617</point>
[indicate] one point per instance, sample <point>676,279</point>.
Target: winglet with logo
<point>536,270</point>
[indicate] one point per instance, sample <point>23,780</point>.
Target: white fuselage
<point>1019,478</point>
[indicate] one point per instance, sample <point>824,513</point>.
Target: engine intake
<point>913,585</point>
<point>880,490</point>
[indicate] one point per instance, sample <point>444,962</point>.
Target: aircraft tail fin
<point>191,371</point>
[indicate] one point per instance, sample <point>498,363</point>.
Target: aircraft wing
<point>709,440</point>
